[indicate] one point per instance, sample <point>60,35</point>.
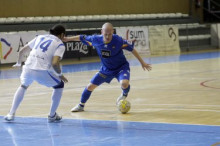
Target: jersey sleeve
<point>31,44</point>
<point>87,39</point>
<point>60,51</point>
<point>128,45</point>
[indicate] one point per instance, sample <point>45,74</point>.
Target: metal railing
<point>215,3</point>
<point>209,9</point>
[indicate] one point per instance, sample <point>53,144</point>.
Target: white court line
<point>175,109</point>
<point>179,105</point>
<point>217,58</point>
<point>204,59</point>
<point>109,105</point>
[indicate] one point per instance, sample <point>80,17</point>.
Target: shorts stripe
<point>54,78</point>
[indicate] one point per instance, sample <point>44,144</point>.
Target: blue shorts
<point>100,78</point>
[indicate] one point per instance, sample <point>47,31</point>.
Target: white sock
<point>56,96</point>
<point>18,97</point>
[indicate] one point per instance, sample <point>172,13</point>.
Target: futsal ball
<point>124,106</point>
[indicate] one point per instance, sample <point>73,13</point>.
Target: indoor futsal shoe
<point>77,108</point>
<point>55,118</point>
<point>121,97</point>
<point>9,117</point>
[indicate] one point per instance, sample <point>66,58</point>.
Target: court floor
<point>177,103</point>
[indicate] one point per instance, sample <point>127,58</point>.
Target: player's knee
<point>60,85</point>
<point>91,87</point>
<point>124,85</point>
<point>23,86</point>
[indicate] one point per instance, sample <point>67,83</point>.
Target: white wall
<point>215,35</point>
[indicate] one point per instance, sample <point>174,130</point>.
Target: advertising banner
<point>164,40</point>
<point>8,48</point>
<point>78,49</point>
<point>215,35</point>
<point>11,43</point>
<point>137,34</point>
<point>219,35</point>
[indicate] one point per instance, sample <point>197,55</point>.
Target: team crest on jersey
<point>113,47</point>
<point>106,53</point>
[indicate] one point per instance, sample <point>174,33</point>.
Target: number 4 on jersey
<point>44,46</point>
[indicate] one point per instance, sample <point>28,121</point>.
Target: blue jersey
<point>111,54</point>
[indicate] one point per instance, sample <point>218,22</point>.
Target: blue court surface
<point>69,132</point>
<point>29,131</point>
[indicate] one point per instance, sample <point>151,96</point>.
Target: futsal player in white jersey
<point>42,66</point>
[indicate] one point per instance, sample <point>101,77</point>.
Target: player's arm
<point>23,50</point>
<point>71,39</point>
<point>85,39</point>
<point>143,63</point>
<point>129,46</point>
<point>56,67</point>
<point>20,54</point>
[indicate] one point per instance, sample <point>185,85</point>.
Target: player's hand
<point>146,66</point>
<point>64,79</point>
<point>17,65</point>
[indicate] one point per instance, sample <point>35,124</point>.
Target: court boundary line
<point>206,86</point>
<point>215,57</point>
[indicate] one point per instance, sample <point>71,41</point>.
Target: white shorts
<point>43,77</point>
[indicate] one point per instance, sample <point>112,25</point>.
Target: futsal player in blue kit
<point>114,64</point>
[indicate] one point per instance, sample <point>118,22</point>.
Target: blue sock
<point>125,91</point>
<point>85,96</point>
